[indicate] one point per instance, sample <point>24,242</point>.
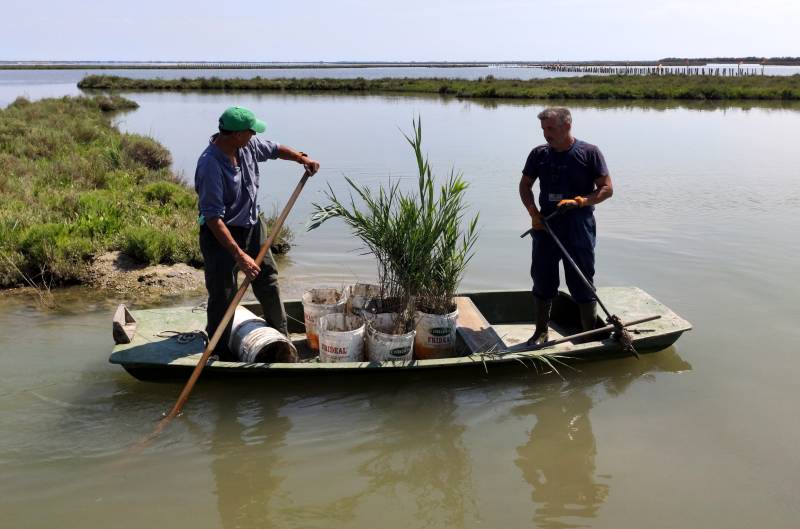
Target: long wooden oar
<point>212,343</point>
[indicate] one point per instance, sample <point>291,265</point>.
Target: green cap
<point>240,118</point>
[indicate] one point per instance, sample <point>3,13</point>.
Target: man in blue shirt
<point>226,181</point>
<point>573,177</point>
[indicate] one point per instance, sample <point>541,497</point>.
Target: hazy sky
<point>310,30</point>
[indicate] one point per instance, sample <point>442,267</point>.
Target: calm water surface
<point>35,84</point>
<point>700,435</point>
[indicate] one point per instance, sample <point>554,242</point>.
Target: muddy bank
<point>115,277</point>
<point>116,272</point>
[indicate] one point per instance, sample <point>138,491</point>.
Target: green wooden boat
<point>492,329</point>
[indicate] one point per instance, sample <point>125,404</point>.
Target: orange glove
<point>569,203</point>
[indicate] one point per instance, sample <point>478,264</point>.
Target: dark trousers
<point>221,282</point>
<point>577,234</point>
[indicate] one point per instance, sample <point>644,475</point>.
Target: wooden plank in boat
<point>477,333</point>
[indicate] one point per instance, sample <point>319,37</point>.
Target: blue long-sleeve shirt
<point>230,192</point>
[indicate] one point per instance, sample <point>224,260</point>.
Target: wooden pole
<point>212,343</point>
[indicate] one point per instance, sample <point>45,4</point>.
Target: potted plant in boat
<point>390,327</point>
<point>449,247</point>
<point>421,247</point>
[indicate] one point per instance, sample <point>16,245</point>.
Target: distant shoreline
<point>235,66</point>
<point>619,87</point>
<point>243,65</point>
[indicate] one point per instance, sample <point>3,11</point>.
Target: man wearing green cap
<point>226,181</point>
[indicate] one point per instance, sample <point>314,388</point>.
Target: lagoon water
<point>51,83</point>
<point>705,218</point>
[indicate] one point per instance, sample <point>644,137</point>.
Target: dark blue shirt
<point>230,192</point>
<point>564,174</point>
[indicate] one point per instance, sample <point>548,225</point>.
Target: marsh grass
<point>73,187</point>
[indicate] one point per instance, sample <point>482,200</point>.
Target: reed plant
<point>376,223</point>
<point>421,240</point>
<point>447,238</point>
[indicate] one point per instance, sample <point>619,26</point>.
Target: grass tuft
<point>146,151</point>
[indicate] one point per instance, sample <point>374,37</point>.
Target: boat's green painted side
<point>151,356</point>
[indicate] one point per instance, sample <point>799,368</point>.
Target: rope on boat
<point>289,317</point>
<point>184,337</point>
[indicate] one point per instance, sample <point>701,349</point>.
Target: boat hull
<point>154,355</point>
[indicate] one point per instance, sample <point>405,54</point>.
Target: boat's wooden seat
<point>475,331</point>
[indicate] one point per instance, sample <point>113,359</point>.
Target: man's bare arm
<point>224,237</point>
<point>287,153</point>
<point>603,189</point>
<point>526,194</point>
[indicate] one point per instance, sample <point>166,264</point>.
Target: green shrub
<point>146,151</point>
<point>99,213</point>
<point>52,253</point>
<point>11,263</point>
<point>75,168</point>
<point>39,242</point>
<point>154,246</point>
<point>113,103</point>
<point>170,193</point>
<point>147,244</point>
<point>38,143</point>
<point>20,102</point>
<point>86,132</point>
<point>72,252</point>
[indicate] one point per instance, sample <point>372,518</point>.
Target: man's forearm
<point>603,190</point>
<point>223,236</point>
<point>526,195</point>
<point>287,153</point>
<point>598,195</point>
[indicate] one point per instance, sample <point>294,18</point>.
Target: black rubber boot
<point>588,312</point>
<point>541,308</point>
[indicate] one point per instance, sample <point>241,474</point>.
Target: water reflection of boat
<point>245,447</point>
<point>505,316</point>
<point>558,461</point>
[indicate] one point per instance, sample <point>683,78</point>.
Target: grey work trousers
<point>221,283</point>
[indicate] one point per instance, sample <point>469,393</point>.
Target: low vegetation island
<point>623,87</point>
